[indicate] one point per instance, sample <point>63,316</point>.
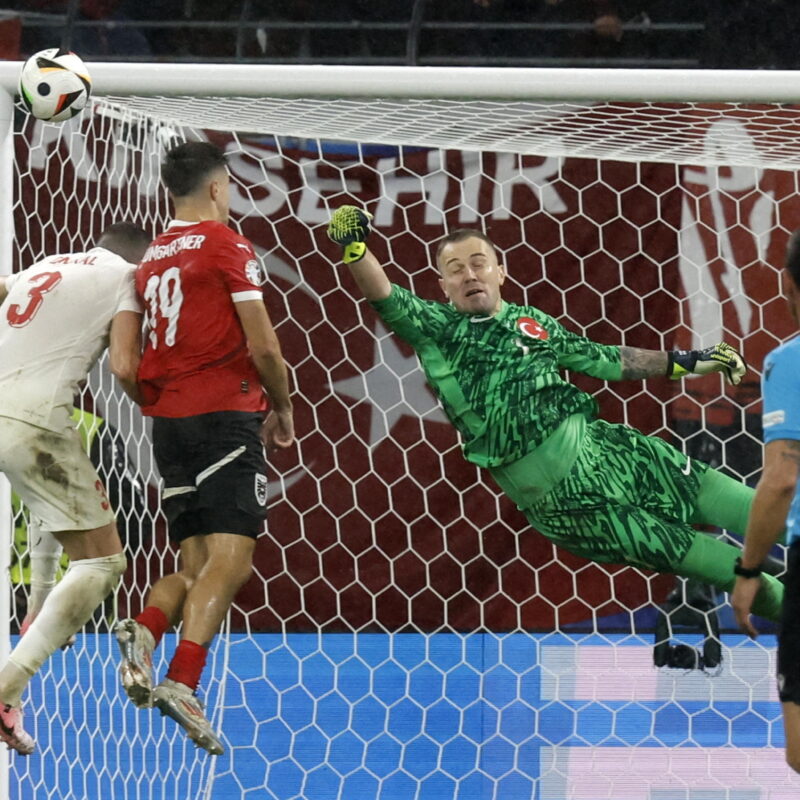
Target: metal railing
<point>414,32</point>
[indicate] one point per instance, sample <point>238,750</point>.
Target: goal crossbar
<point>622,115</point>
<point>475,83</point>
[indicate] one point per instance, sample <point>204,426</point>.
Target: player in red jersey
<point>210,354</point>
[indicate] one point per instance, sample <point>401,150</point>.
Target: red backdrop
<point>383,525</point>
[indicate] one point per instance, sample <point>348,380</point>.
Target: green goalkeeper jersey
<point>499,378</point>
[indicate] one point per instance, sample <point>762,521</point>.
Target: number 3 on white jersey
<point>164,297</point>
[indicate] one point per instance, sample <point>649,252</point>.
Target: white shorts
<point>53,476</point>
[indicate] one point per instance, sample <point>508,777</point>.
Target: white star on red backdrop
<point>395,387</point>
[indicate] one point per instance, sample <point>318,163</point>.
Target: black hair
<point>793,257</point>
<point>459,235</point>
<point>186,166</point>
<point>126,240</point>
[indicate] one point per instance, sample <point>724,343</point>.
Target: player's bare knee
<point>793,760</point>
<point>236,573</point>
<point>188,577</point>
<point>243,573</point>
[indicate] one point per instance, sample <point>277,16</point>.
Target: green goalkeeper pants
<point>633,499</point>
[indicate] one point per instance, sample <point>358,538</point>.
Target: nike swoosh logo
<point>688,468</point>
<point>480,319</point>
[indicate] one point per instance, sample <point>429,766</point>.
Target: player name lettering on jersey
<point>72,259</point>
<point>190,242</point>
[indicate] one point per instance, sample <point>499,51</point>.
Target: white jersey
<point>54,325</point>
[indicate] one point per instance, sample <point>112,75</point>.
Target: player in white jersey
<point>56,319</point>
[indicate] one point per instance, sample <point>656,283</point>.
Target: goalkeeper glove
<point>719,358</point>
<point>349,227</point>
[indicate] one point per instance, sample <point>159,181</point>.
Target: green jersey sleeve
<point>413,319</point>
<point>583,355</point>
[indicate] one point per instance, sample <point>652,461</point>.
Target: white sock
<point>70,605</point>
<point>45,552</point>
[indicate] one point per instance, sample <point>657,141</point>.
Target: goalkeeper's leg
<point>711,561</point>
<point>635,536</point>
<point>723,502</point>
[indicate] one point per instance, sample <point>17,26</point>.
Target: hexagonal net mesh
<point>407,634</point>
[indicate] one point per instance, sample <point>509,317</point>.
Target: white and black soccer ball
<point>54,85</point>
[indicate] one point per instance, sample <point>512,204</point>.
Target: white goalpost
<point>407,635</point>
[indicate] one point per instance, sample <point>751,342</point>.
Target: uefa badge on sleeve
<point>261,489</point>
<point>253,272</point>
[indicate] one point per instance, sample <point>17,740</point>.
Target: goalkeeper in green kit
<point>602,491</point>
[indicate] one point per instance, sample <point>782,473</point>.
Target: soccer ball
<point>54,85</point>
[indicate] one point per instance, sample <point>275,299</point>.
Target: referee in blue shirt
<point>776,506</point>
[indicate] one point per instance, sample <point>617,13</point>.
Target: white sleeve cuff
<point>130,304</point>
<point>239,297</point>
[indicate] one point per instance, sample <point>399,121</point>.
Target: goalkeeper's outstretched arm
<point>370,277</point>
<point>638,364</point>
<point>349,228</point>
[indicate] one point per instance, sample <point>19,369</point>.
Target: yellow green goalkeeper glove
<point>719,358</point>
<point>349,227</point>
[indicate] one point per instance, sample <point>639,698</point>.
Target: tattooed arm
<point>621,363</point>
<point>638,364</point>
<point>768,514</point>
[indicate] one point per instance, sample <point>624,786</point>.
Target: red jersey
<point>195,356</point>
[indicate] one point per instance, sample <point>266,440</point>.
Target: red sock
<point>155,620</point>
<point>187,663</point>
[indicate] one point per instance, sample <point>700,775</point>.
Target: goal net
<point>406,634</point>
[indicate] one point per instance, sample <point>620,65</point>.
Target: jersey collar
<point>478,318</point>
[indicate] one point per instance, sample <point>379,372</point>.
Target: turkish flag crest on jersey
<point>530,327</point>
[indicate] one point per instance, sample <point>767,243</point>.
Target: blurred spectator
<point>354,37</point>
<point>391,43</point>
<point>479,42</point>
<point>119,38</point>
<point>759,34</point>
<point>277,43</point>
<point>605,38</point>
<point>165,43</point>
<point>209,43</point>
<point>683,33</point>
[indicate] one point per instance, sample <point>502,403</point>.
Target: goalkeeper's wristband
<point>681,362</point>
<point>745,572</point>
<point>353,252</point>
<point>719,358</point>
